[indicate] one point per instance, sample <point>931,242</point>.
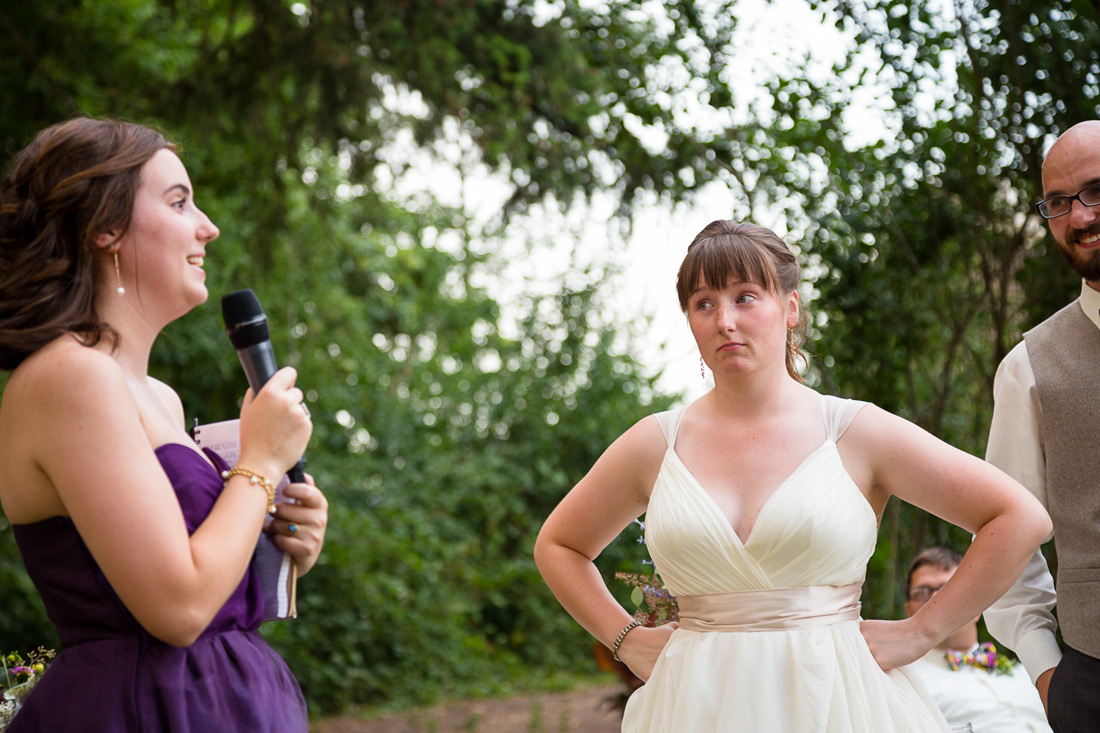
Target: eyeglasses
<point>1056,206</point>
<point>922,593</point>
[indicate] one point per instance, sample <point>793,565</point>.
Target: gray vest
<point>1065,354</point>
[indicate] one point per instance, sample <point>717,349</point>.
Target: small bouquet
<point>653,603</point>
<point>20,677</point>
<point>655,606</point>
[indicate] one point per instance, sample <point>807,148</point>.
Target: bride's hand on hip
<point>894,644</point>
<point>642,646</point>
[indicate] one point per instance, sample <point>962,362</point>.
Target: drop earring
<point>791,353</point>
<point>702,368</point>
<point>118,277</point>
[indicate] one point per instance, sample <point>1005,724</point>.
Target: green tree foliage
<point>933,260</point>
<point>448,424</point>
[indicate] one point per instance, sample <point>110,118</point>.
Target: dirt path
<point>578,711</point>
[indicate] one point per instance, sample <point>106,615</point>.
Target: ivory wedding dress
<point>769,638</point>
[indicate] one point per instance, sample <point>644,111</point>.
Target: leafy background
<point>450,419</point>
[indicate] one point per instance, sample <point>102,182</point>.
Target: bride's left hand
<point>894,644</point>
<point>298,528</point>
<point>642,646</point>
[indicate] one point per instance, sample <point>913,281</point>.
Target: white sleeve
<point>1016,433</point>
<point>1022,618</point>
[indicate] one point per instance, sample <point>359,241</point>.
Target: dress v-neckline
<point>763,507</point>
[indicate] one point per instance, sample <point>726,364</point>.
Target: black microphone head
<point>244,319</point>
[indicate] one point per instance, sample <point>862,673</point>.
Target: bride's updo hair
<point>75,181</point>
<point>728,251</point>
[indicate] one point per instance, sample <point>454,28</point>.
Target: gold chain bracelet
<point>257,479</point>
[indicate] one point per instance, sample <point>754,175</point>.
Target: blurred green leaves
<point>448,421</point>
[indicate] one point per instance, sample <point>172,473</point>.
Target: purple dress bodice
<point>112,675</point>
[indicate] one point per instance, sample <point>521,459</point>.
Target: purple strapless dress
<point>112,676</point>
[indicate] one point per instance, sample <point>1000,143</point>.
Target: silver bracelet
<point>622,635</point>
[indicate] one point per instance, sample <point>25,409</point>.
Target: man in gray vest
<point>1046,426</point>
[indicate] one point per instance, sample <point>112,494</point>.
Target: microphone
<point>246,326</point>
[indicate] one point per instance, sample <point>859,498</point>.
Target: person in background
<point>1044,434</point>
<point>971,682</point>
<point>762,502</point>
<point>138,542</point>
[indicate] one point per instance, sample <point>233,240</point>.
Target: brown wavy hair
<point>73,182</point>
<point>728,251</point>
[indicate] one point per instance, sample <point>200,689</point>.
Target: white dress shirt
<point>990,701</point>
<point>1021,619</point>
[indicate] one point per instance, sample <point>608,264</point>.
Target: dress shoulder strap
<point>838,414</point>
<point>669,420</point>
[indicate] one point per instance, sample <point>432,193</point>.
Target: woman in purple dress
<point>139,547</point>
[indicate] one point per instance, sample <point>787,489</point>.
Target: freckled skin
<point>966,635</point>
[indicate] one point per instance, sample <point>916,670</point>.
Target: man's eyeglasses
<point>922,593</point>
<point>1056,206</point>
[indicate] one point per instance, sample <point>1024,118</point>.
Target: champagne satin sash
<point>770,610</point>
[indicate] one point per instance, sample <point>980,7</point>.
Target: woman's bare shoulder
<point>634,459</point>
<point>645,439</point>
<point>63,354</point>
<point>64,376</point>
<point>876,428</point>
<point>52,400</point>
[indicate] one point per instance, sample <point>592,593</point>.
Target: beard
<point>1087,265</point>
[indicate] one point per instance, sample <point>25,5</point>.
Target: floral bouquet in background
<point>20,677</point>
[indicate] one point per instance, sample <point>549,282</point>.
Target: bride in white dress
<point>762,502</point>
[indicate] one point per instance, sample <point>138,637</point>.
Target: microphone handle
<point>297,472</point>
<point>258,361</point>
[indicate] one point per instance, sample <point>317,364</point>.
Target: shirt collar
<point>1090,303</point>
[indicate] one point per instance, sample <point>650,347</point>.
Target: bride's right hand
<point>642,646</point>
<point>275,427</point>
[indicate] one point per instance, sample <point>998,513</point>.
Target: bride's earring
<point>118,277</point>
<point>702,368</point>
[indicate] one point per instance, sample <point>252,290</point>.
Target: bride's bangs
<point>718,261</point>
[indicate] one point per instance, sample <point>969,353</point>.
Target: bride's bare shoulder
<point>635,457</point>
<point>646,437</point>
